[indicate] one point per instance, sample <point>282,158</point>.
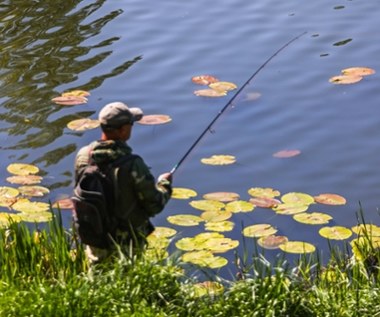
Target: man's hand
<point>166,176</point>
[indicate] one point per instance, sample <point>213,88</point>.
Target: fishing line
<point>208,128</point>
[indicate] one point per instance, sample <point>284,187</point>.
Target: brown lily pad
<point>345,79</point>
<point>154,119</point>
<point>286,153</point>
<point>330,199</point>
<point>69,100</point>
<point>265,202</point>
<point>204,79</point>
<point>24,179</point>
<point>83,124</point>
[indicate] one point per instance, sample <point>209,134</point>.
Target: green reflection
<point>43,45</point>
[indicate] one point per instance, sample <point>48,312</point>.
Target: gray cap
<point>116,114</point>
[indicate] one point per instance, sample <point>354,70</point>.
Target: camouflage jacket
<point>140,197</point>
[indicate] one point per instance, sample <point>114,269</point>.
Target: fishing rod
<point>208,128</point>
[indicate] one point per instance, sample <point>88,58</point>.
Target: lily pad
<point>33,191</point>
<point>358,71</point>
<point>264,202</point>
<point>300,198</point>
<point>76,93</point>
<point>155,119</point>
<point>24,179</point>
<point>163,232</point>
<point>259,230</point>
<point>26,206</point>
<point>185,220</point>
<point>220,226</point>
<point>335,233</point>
<point>69,100</point>
<point>7,218</point>
<point>330,199</point>
<point>223,86</point>
<point>271,242</point>
<point>22,169</point>
<point>366,230</point>
<point>40,216</point>
<point>220,245</point>
<point>183,193</point>
<point>205,204</point>
<point>83,124</point>
<point>297,247</point>
<point>197,242</point>
<point>64,203</point>
<point>263,192</point>
<point>8,192</point>
<point>210,93</point>
<point>286,153</point>
<point>219,160</point>
<point>209,288</point>
<point>222,196</point>
<point>216,215</point>
<point>345,79</point>
<point>314,218</point>
<point>239,206</point>
<point>204,259</point>
<point>362,246</point>
<point>290,208</point>
<point>204,79</point>
<point>157,242</point>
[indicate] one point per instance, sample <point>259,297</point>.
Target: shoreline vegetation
<point>45,273</point>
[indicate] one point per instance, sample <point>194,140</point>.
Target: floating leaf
<point>205,259</point>
<point>7,201</point>
<point>299,198</point>
<point>345,79</point>
<point>263,192</point>
<point>205,204</point>
<point>220,245</point>
<point>330,199</point>
<point>290,208</point>
<point>26,206</point>
<point>259,230</point>
<point>264,202</point>
<point>8,192</point>
<point>271,242</point>
<point>40,216</point>
<point>239,206</point>
<point>363,246</point>
<point>367,230</point>
<point>335,233</point>
<point>7,218</point>
<point>24,179</point>
<point>216,215</point>
<point>219,160</point>
<point>83,124</point>
<point>163,232</point>
<point>185,220</point>
<point>222,196</point>
<point>220,226</point>
<point>286,153</point>
<point>64,203</point>
<point>197,242</point>
<point>22,169</point>
<point>210,93</point>
<point>156,242</point>
<point>358,71</point>
<point>204,79</point>
<point>314,218</point>
<point>69,100</point>
<point>223,86</point>
<point>183,193</point>
<point>154,119</point>
<point>297,247</point>
<point>76,93</point>
<point>33,191</point>
<point>207,288</point>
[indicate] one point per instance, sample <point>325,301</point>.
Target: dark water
<point>145,53</point>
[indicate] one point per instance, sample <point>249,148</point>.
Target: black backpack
<point>95,198</point>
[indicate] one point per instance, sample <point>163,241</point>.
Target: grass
<point>44,273</point>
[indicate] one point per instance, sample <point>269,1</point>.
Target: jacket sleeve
<point>152,195</point>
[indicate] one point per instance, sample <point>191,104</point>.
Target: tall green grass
<point>45,273</point>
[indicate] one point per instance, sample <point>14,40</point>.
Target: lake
<point>145,54</point>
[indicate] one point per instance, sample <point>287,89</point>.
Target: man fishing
<point>139,197</point>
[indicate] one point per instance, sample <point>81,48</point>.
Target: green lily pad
<point>335,233</point>
<point>26,206</point>
<point>239,206</point>
<point>297,247</point>
<point>40,216</point>
<point>185,220</point>
<point>183,193</point>
<point>220,245</point>
<point>259,230</point>
<point>216,215</point>
<point>22,169</point>
<point>8,192</point>
<point>369,230</point>
<point>314,218</point>
<point>204,259</point>
<point>297,198</point>
<point>271,242</point>
<point>219,160</point>
<point>290,208</point>
<point>207,204</point>
<point>363,246</point>
<point>263,192</point>
<point>197,242</point>
<point>209,288</point>
<point>210,93</point>
<point>156,242</point>
<point>163,232</point>
<point>220,226</point>
<point>7,218</point>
